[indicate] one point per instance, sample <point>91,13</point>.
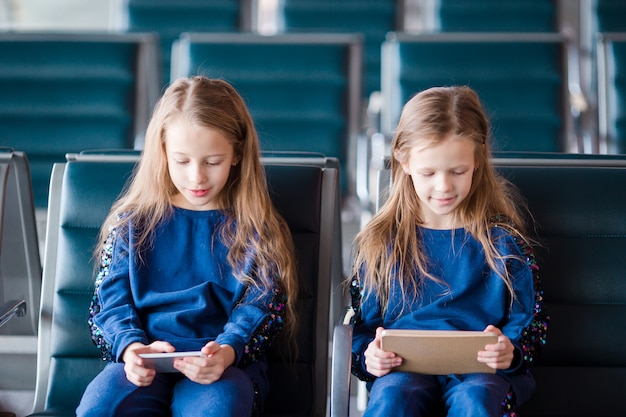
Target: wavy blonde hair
<point>254,225</point>
<point>388,248</point>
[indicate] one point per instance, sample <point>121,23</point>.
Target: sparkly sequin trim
<point>266,333</point>
<point>257,402</point>
<point>508,405</point>
<point>106,350</point>
<point>356,293</point>
<point>534,335</point>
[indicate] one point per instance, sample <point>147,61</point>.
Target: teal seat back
<point>520,78</point>
<point>81,195</point>
<point>370,18</point>
<point>80,198</point>
<point>170,18</point>
<point>68,92</point>
<point>302,90</point>
<point>611,66</point>
<point>609,15</point>
<point>498,15</point>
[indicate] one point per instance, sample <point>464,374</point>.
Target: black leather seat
<point>579,208</point>
<point>81,194</point>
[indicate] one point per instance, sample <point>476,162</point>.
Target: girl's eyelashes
<point>209,163</point>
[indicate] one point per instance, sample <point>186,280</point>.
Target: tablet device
<point>438,352</point>
<point>164,362</point>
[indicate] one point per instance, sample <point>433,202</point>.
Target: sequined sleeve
<point>356,292</point>
<point>106,255</point>
<point>534,335</point>
<point>266,333</point>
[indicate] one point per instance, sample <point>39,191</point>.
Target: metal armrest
<point>12,308</point>
<point>341,365</point>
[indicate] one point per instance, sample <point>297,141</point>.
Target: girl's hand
<point>377,361</point>
<point>497,355</point>
<point>134,367</point>
<point>207,369</point>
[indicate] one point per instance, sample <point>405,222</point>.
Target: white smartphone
<point>164,362</point>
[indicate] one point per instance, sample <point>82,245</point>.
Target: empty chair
<point>20,273</point>
<point>170,18</point>
<point>68,92</point>
<point>497,16</point>
<point>82,191</point>
<point>522,80</point>
<point>371,18</point>
<point>302,89</point>
<point>611,67</point>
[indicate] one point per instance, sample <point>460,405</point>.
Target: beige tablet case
<point>438,352</point>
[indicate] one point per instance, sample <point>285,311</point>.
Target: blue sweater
<point>181,291</point>
<point>470,296</point>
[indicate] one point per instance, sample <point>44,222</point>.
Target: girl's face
<point>199,160</point>
<point>442,177</point>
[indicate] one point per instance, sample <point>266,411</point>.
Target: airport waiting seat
<point>521,79</point>
<point>170,18</point>
<point>8,308</point>
<point>581,238</point>
<point>611,67</point>
<point>303,90</point>
<point>81,194</point>
<point>609,15</point>
<point>65,92</point>
<point>371,18</point>
<point>20,274</point>
<point>497,16</point>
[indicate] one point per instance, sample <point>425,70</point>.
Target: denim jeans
<point>415,395</point>
<point>169,395</point>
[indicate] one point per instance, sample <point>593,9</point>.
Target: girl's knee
<point>105,392</point>
<point>483,394</point>
<point>402,393</point>
<point>232,395</point>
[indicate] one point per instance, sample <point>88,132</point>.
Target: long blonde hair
<point>254,225</point>
<point>388,248</point>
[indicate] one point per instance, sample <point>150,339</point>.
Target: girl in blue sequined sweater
<point>194,257</point>
<point>447,251</point>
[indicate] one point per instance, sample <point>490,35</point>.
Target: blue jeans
<point>169,395</point>
<point>415,395</point>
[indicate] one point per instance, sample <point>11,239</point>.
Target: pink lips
<point>444,201</point>
<point>198,193</point>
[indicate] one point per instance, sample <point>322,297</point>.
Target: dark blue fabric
<point>169,395</point>
<point>181,290</point>
<point>414,395</point>
<point>470,296</point>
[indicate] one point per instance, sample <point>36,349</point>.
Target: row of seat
<point>68,92</point>
<point>580,229</point>
<point>65,93</point>
<point>373,19</point>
